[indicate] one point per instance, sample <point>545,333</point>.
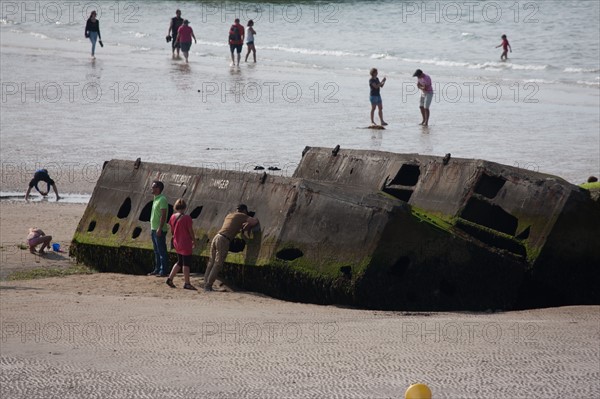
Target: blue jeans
<point>93,38</point>
<point>161,258</point>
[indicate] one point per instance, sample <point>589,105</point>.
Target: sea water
<point>63,110</point>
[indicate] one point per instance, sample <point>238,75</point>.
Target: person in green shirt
<point>158,224</point>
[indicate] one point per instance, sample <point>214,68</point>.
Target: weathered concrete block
<point>369,229</point>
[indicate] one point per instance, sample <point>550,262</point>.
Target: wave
<point>437,62</point>
<point>382,57</point>
<point>298,50</point>
<point>493,66</point>
<point>38,35</point>
<point>581,70</point>
<point>216,44</point>
<point>588,83</point>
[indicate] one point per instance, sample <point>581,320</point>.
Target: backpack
<point>234,34</point>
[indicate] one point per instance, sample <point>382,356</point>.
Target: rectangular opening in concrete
<point>400,193</point>
<point>488,186</point>
<point>408,175</point>
<point>488,237</point>
<point>483,213</point>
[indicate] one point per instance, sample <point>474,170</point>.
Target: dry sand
<point>120,336</point>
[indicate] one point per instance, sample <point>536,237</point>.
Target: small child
<point>36,237</point>
<point>184,242</point>
<point>505,46</point>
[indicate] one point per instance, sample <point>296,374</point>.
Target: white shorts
<point>426,100</point>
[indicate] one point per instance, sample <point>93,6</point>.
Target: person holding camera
<point>176,22</point>
<point>375,96</point>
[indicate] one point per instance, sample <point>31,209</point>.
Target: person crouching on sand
<point>375,85</point>
<point>36,237</point>
<point>184,242</point>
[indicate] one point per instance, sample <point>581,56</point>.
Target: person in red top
<point>183,241</point>
<point>184,37</point>
<point>236,40</point>
<point>505,46</point>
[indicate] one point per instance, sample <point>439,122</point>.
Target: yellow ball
<point>417,391</point>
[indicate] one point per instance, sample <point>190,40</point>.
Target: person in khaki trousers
<point>219,247</point>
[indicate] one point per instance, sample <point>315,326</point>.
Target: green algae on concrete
<point>366,228</point>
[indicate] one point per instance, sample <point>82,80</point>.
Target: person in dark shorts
<point>176,22</point>
<point>185,34</point>
<point>236,41</point>
<point>375,97</point>
<point>41,175</point>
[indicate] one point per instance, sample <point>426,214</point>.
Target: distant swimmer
<point>92,32</point>
<point>375,97</point>
<point>39,176</point>
<point>176,22</point>
<point>505,46</point>
<point>250,40</point>
<point>424,84</point>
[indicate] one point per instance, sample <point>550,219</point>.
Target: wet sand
<point>120,336</point>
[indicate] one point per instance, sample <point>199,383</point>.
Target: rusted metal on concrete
<point>366,228</point>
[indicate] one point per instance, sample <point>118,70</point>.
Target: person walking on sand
<point>38,176</point>
<point>92,31</point>
<point>183,241</point>
<point>219,247</point>
<point>250,41</point>
<point>158,226</point>
<point>424,84</point>
<point>505,46</point>
<point>184,37</point>
<point>375,85</point>
<point>36,237</point>
<point>176,22</point>
<point>236,41</point>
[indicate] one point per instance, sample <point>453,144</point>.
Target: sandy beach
<point>122,336</point>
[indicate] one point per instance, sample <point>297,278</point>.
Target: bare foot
<point>383,123</point>
<point>42,252</point>
<point>33,251</point>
